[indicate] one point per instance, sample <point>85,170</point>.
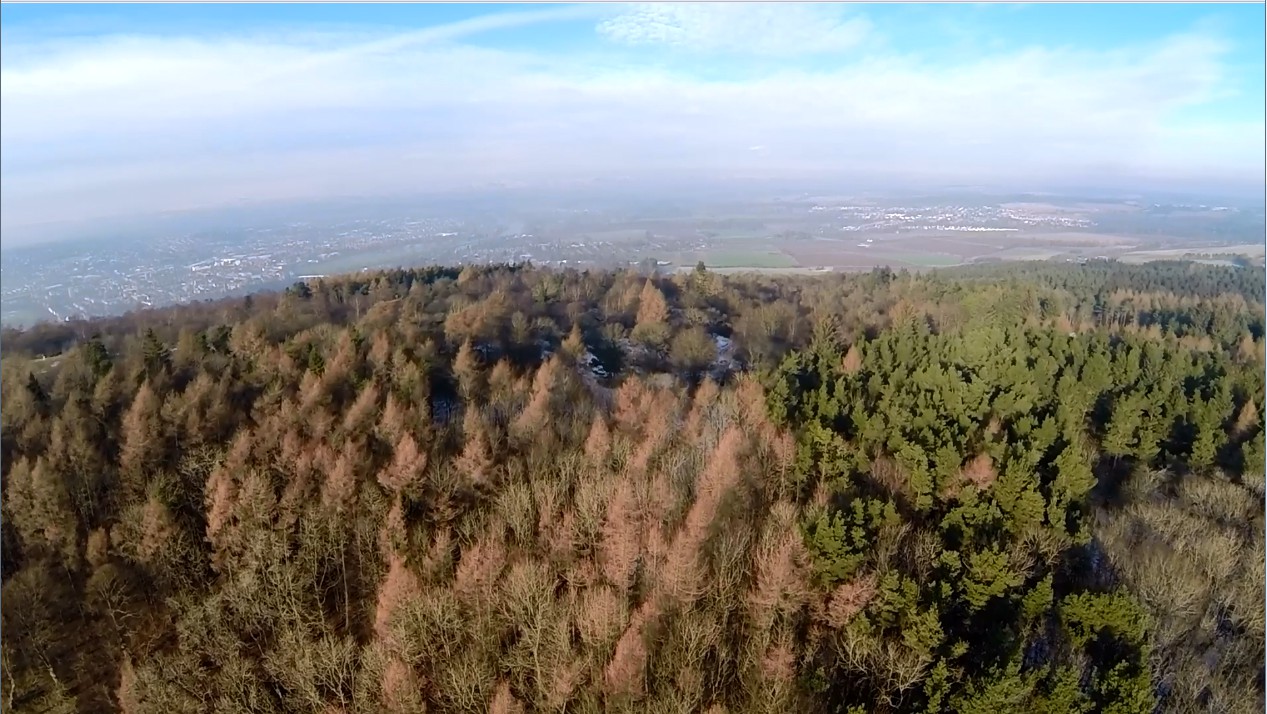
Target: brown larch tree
<point>534,416</point>
<point>406,468</point>
<point>221,499</point>
<point>626,672</point>
<point>339,492</point>
<point>621,539</point>
<point>466,370</point>
<point>681,574</point>
<point>652,307</point>
<point>393,424</point>
<point>504,702</point>
<point>142,449</point>
<point>158,527</point>
<point>849,599</point>
<point>782,565</point>
<point>598,443</point>
<point>475,463</point>
<point>363,412</point>
<point>398,588</point>
<point>401,689</point>
<point>479,567</point>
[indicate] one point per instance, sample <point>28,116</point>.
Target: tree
<point>693,350</point>
<point>1120,436</point>
<point>407,466</point>
<point>574,345</point>
<point>466,370</point>
<point>157,357</point>
<point>652,307</point>
<point>143,448</point>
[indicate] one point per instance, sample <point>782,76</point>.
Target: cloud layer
<point>134,123</point>
<point>784,30</point>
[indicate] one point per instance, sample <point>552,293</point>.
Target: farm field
<point>748,259</point>
<point>1249,250</point>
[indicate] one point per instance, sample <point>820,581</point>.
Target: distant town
<point>59,281</point>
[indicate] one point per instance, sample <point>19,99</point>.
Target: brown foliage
<point>630,396</point>
<point>475,462</point>
<point>128,694</point>
<point>888,475</point>
<point>601,615</point>
<point>652,307</point>
<point>979,471</point>
<point>466,369</point>
<point>398,588</point>
<point>406,468</point>
<point>339,491</point>
<point>1246,419</point>
<point>501,380</point>
<point>157,528</point>
<point>503,701</point>
<point>852,361</point>
<point>393,424</point>
<point>394,535</point>
<point>783,445</point>
<point>221,499</point>
<point>401,689</point>
<point>480,566</point>
<point>658,428</point>
<point>626,672</point>
<point>574,344</point>
<point>141,437</point>
<point>849,599</point>
<point>620,537</point>
<point>362,412</point>
<point>98,548</point>
<point>704,399</point>
<point>779,662</point>
<point>537,413</point>
<point>563,683</point>
<point>380,353</point>
<point>598,443</point>
<point>751,397</point>
<point>680,577</point>
<point>313,395</point>
<point>781,566</point>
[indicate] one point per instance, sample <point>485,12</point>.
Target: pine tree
<point>1120,435</point>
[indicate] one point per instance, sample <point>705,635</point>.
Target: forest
<point>502,488</point>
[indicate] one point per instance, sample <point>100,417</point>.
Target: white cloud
<point>138,123</point>
<point>763,29</point>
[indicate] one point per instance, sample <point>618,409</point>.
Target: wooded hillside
<point>508,489</point>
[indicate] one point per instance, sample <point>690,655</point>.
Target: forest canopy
<point>503,488</point>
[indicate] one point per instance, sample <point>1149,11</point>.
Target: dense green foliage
<point>1019,488</point>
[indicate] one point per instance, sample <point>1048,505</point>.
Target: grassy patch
<point>926,260</point>
<point>748,259</point>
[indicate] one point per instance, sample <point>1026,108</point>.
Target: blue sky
<point>132,108</point>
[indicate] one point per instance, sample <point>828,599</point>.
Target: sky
<point>127,109</point>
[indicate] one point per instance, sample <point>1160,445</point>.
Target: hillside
<point>1030,488</point>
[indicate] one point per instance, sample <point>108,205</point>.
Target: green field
<point>748,259</point>
<point>353,261</point>
<point>924,260</point>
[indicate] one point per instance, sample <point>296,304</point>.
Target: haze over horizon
<point>116,110</point>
